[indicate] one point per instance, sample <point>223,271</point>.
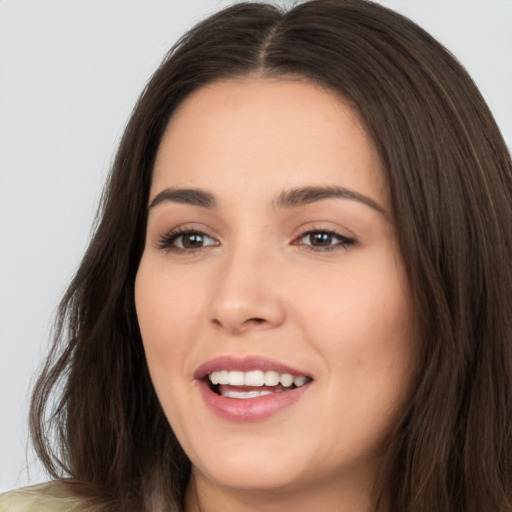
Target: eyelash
<point>343,241</point>
<point>167,241</point>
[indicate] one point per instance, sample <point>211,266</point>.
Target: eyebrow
<point>192,196</point>
<point>288,199</point>
<point>306,195</point>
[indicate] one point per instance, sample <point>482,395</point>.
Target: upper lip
<point>244,364</point>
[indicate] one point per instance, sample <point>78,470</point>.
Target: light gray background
<point>70,72</point>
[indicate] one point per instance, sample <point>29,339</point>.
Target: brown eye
<point>192,240</point>
<point>324,240</point>
<point>320,239</point>
<point>186,241</point>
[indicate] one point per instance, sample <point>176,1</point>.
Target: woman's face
<point>272,299</point>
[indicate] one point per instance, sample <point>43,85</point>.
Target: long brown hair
<point>449,177</point>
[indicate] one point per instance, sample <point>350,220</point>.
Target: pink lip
<point>251,409</point>
<point>244,364</point>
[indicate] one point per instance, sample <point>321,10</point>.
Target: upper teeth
<point>256,378</point>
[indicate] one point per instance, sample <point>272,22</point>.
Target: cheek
<point>167,314</point>
<point>365,334</point>
<point>362,322</point>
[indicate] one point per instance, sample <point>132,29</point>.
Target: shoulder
<point>49,497</point>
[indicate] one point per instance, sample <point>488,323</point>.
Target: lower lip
<point>249,409</point>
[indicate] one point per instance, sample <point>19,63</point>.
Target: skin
<point>257,284</point>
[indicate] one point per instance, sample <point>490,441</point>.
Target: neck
<point>205,496</point>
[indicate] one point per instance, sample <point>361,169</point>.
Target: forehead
<point>261,131</point>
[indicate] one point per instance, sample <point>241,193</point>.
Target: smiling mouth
<point>254,383</point>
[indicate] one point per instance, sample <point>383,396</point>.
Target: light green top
<point>49,497</point>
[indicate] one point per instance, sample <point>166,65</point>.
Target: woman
<point>298,294</point>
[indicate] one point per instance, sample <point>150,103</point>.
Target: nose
<point>247,293</point>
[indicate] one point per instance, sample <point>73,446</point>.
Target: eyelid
<point>165,241</point>
<point>343,243</point>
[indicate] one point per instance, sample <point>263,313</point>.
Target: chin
<point>252,471</point>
